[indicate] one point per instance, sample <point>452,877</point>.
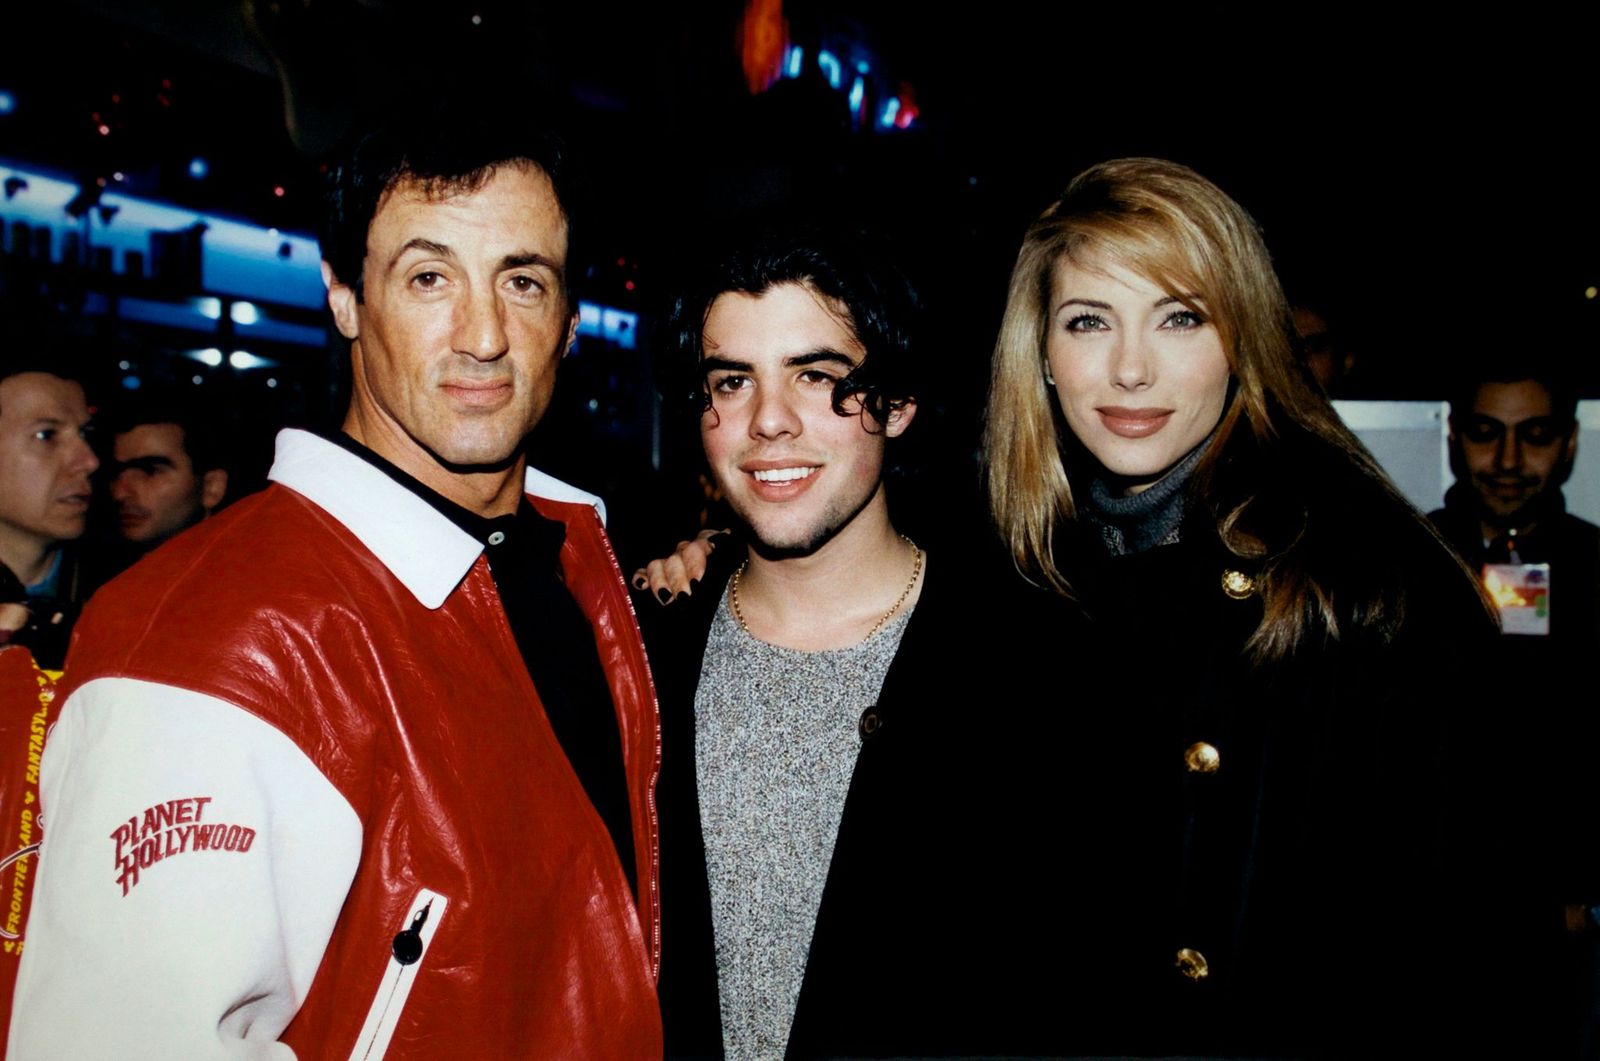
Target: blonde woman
<point>1288,660</point>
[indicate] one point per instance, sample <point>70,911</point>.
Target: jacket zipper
<point>655,768</point>
<point>406,951</point>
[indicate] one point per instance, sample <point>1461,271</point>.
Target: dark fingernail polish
<point>664,595</point>
<point>639,583</point>
<point>679,597</point>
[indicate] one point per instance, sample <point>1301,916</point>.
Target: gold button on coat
<point>1237,584</point>
<point>1202,758</point>
<point>1192,963</point>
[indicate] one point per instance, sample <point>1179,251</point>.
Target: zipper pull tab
<point>407,946</point>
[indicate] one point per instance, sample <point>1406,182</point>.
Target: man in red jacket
<point>366,760</point>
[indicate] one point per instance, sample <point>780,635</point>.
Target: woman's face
<point>1142,379</point>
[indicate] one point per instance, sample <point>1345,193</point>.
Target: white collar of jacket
<point>420,547</point>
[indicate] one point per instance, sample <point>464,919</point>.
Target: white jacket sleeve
<point>194,864</point>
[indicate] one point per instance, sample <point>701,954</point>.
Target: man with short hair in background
<point>169,471</point>
<point>1513,442</point>
<point>45,466</point>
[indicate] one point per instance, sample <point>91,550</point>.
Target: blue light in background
<point>863,68</point>
<point>858,92</point>
<point>588,318</point>
<point>890,109</point>
<point>794,61</point>
<point>620,327</point>
<point>830,68</point>
<point>606,322</point>
<point>244,360</point>
<point>8,102</point>
<point>198,168</point>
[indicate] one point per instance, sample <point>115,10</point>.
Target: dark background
<point>1428,181</point>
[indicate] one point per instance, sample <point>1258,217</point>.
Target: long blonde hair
<point>1167,223</point>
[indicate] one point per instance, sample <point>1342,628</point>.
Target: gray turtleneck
<point>1152,517</point>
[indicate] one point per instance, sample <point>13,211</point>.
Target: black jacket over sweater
<point>922,935</point>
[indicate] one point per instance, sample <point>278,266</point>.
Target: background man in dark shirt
<point>45,465</point>
<point>1513,441</point>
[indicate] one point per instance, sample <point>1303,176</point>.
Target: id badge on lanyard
<point>1522,593</point>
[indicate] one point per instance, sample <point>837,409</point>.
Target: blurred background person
<point>45,466</point>
<point>169,471</point>
<point>1325,352</point>
<point>1513,443</point>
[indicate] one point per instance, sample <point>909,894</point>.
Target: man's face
<point>1511,446</point>
<point>156,489</point>
<point>793,469</point>
<point>464,321</point>
<point>45,460</point>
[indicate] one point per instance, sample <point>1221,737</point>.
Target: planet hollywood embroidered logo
<point>166,830</point>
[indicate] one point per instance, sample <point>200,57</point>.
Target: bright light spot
<point>208,307</point>
<point>105,130</point>
<point>8,102</point>
<point>274,233</point>
<point>277,189</point>
<point>594,405</point>
<point>244,313</point>
<point>1591,292</point>
<point>196,380</point>
<point>794,61</point>
<point>119,177</point>
<point>272,381</point>
<point>198,168</point>
<point>124,365</point>
<point>858,92</point>
<point>244,359</point>
<point>890,109</point>
<point>477,20</point>
<point>628,285</point>
<point>130,383</point>
<point>830,68</point>
<point>209,356</point>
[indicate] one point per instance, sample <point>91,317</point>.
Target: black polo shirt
<point>554,638</point>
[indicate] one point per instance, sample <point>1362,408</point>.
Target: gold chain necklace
<point>916,573</point>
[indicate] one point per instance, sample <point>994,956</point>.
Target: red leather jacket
<point>474,830</point>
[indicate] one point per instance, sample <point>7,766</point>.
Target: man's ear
<point>1572,447</point>
<point>342,301</point>
<point>900,418</point>
<point>213,484</point>
<point>572,334</point>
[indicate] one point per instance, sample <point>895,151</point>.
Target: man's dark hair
<point>28,349</point>
<point>444,151</point>
<point>203,443</point>
<point>1514,368</point>
<point>843,268</point>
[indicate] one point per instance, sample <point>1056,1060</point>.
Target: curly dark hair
<point>845,268</point>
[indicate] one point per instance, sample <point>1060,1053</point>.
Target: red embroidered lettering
<point>166,830</point>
